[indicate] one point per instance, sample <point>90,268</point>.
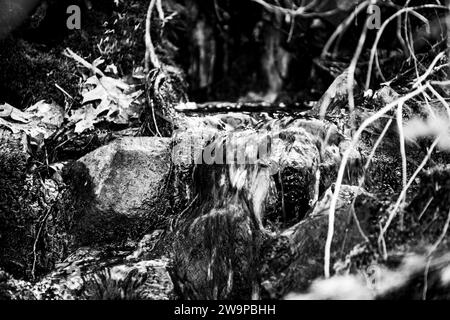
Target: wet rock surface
<point>127,172</point>
<point>106,274</point>
<point>219,238</point>
<point>294,257</point>
<point>121,188</point>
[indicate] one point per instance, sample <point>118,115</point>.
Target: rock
<point>294,258</point>
<point>91,273</point>
<point>188,144</point>
<point>127,172</point>
<point>257,179</point>
<point>300,159</point>
<point>146,247</point>
<point>12,289</point>
<point>336,96</point>
<point>410,248</point>
<point>122,189</point>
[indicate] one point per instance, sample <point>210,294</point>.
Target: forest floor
<point>177,152</point>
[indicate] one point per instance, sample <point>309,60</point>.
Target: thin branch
<point>352,68</point>
<point>343,165</point>
<point>377,144</point>
<point>343,26</point>
<point>69,53</point>
<point>299,12</point>
<point>33,269</point>
<point>151,59</point>
<point>441,237</point>
<point>402,150</point>
<point>373,51</point>
<point>440,98</point>
<point>408,185</point>
<point>429,70</point>
<point>431,252</point>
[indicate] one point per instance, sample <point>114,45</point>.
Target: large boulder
<point>120,190</point>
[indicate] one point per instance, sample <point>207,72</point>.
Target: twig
<point>358,225</point>
<point>382,241</point>
<point>152,105</point>
<point>350,82</point>
<point>425,208</point>
<point>447,20</point>
<point>151,59</point>
<point>408,185</point>
<point>154,119</point>
<point>160,10</point>
<point>432,251</point>
<point>373,51</point>
<point>425,279</point>
<point>442,236</point>
<point>352,67</point>
<point>63,91</point>
<point>402,150</point>
<point>299,12</point>
<point>440,98</point>
<point>343,165</point>
<point>377,144</point>
<point>83,62</point>
<point>342,27</point>
<point>429,70</point>
<point>33,269</point>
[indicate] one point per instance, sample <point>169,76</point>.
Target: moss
<point>31,61</point>
<point>23,212</point>
<point>29,74</point>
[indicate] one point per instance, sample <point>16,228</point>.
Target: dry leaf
<point>106,99</point>
<point>39,121</point>
<point>8,111</point>
<point>48,113</point>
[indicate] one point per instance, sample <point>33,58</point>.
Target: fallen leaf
<point>39,121</point>
<point>106,99</point>
<point>48,113</point>
<point>8,111</point>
